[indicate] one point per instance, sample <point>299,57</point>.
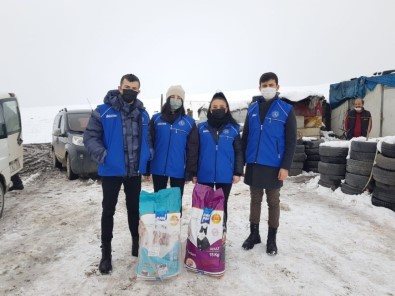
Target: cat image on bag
<point>202,240</point>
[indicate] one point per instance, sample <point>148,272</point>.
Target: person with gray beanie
<point>175,141</point>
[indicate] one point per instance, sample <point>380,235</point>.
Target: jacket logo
<point>206,131</point>
<point>111,115</point>
<point>182,122</point>
<point>253,115</point>
<point>225,131</point>
<point>161,123</point>
<point>275,114</point>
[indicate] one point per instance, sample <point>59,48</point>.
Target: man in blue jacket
<point>269,140</point>
<point>117,138</point>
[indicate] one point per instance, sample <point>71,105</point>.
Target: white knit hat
<point>176,90</point>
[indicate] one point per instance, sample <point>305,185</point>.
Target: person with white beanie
<point>176,142</point>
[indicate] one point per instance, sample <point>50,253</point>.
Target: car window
<point>11,117</point>
<point>77,122</point>
<point>3,132</point>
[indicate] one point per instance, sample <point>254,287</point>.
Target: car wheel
<point>1,199</point>
<point>55,162</point>
<point>69,171</point>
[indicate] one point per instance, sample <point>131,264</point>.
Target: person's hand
<point>236,179</point>
<point>194,180</point>
<point>282,174</point>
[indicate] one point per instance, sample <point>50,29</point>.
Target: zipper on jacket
<point>167,153</point>
<point>259,142</point>
<point>215,167</point>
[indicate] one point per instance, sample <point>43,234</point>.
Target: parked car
<point>68,149</point>
<point>11,150</point>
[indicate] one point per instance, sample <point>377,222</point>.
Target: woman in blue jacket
<point>221,158</point>
<point>176,143</point>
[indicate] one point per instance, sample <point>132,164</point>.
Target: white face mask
<point>269,92</point>
<point>358,109</point>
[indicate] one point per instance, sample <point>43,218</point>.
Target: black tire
<point>299,149</point>
<point>383,186</point>
<point>69,172</point>
<point>299,157</point>
<point>1,199</point>
<point>297,165</point>
<point>331,178</point>
<point>362,156</point>
<point>328,184</point>
<point>384,176</point>
<point>333,159</point>
<point>348,189</point>
<point>369,147</point>
<point>55,162</point>
<point>331,168</point>
<point>311,164</point>
<point>385,195</point>
<point>384,162</point>
<point>313,144</point>
<point>313,157</point>
<point>333,151</point>
<point>380,203</point>
<point>295,172</point>
<point>358,167</point>
<point>388,149</point>
<point>357,181</point>
<point>310,151</point>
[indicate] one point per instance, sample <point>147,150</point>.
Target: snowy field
<point>329,243</point>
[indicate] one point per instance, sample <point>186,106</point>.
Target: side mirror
<point>57,132</point>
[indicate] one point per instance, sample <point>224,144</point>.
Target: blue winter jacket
<point>117,137</point>
<point>266,141</point>
<point>170,145</point>
<point>216,153</point>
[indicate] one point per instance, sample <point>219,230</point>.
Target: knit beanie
<point>176,90</point>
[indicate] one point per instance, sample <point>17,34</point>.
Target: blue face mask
<point>175,104</point>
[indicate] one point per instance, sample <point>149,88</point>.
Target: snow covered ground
<point>329,243</point>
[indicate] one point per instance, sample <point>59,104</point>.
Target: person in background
<point>269,140</point>
<point>358,121</point>
<point>117,137</point>
<point>221,160</point>
<point>176,142</point>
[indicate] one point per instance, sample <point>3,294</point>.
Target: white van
<point>11,150</point>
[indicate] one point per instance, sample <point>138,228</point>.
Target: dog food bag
<point>159,231</point>
<point>205,250</point>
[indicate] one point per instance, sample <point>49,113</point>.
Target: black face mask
<point>218,113</point>
<point>129,95</point>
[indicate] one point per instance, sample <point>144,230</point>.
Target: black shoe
<point>16,187</point>
<point>105,265</point>
<point>271,246</point>
<point>135,246</point>
<point>253,239</point>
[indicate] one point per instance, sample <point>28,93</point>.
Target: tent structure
<point>378,93</point>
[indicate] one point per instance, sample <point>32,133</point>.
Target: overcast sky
<point>65,51</point>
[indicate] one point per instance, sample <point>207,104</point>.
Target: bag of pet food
<point>159,231</point>
<point>205,248</point>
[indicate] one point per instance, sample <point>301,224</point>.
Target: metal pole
<point>381,111</point>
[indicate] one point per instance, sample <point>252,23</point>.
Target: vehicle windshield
<point>77,122</point>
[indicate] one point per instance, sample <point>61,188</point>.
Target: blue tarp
<point>340,92</point>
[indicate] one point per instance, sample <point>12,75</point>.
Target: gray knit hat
<point>176,90</point>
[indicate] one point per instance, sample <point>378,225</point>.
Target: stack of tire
<point>313,155</point>
<point>384,177</point>
<point>298,161</point>
<point>359,167</point>
<point>332,165</point>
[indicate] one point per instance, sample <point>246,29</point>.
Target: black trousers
<point>226,187</point>
<point>111,187</point>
